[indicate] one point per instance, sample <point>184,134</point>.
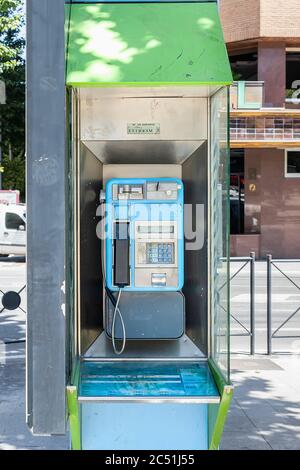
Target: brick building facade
<point>260,19</point>
<point>263,41</point>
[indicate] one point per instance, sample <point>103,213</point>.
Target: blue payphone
<point>144,256</point>
<point>145,236</point>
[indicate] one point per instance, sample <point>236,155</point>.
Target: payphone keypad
<point>160,253</point>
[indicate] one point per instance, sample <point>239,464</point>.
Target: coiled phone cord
<point>118,312</point>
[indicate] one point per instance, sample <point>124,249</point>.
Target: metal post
<point>0,152</point>
<point>269,304</point>
<point>2,102</point>
<point>47,263</point>
<point>252,303</point>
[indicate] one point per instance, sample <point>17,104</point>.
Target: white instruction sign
<point>143,128</point>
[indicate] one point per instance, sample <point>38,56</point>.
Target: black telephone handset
<point>121,255</point>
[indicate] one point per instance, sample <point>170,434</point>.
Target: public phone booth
<point>128,243</point>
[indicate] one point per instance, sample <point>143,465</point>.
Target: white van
<point>12,229</point>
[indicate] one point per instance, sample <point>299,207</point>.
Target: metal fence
<point>278,333</point>
<point>12,300</point>
<point>246,331</point>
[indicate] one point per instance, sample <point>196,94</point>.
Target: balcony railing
<point>265,129</point>
<point>246,95</point>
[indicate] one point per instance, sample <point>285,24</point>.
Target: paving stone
<point>243,441</point>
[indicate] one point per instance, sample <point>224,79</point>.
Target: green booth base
<point>148,406</point>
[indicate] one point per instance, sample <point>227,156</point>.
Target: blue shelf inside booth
<point>142,380</point>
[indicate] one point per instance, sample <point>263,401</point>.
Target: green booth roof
<point>145,44</point>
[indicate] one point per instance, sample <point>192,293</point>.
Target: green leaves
<point>14,173</point>
<point>11,43</point>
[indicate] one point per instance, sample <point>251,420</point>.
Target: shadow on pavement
<point>265,413</point>
<point>14,433</point>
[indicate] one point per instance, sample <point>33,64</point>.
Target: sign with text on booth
<point>143,128</point>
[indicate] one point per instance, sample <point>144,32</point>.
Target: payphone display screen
<point>156,229</point>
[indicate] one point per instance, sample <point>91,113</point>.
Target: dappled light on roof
<point>146,44</point>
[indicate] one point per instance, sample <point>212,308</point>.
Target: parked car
<point>12,229</point>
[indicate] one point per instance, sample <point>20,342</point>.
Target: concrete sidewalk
<point>14,433</point>
<point>265,413</point>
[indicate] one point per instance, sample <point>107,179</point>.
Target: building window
<point>13,221</point>
<point>237,192</point>
<point>292,163</point>
<point>292,77</point>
